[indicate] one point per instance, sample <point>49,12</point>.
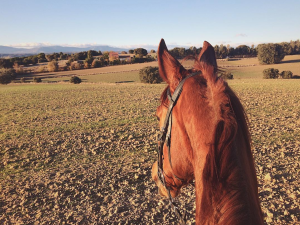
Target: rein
<point>165,138</point>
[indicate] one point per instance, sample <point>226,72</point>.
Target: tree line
<point>88,58</point>
<point>222,51</point>
<point>141,55</point>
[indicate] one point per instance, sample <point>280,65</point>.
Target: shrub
<point>286,74</point>
<point>75,80</point>
<point>37,80</point>
<point>89,60</point>
<point>270,73</point>
<point>5,79</point>
<point>7,75</point>
<point>226,75</point>
<point>140,52</point>
<point>19,69</point>
<point>86,65</point>
<point>76,65</point>
<point>96,63</point>
<point>150,75</point>
<point>40,69</point>
<point>53,66</point>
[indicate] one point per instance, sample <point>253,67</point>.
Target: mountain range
<point>57,49</point>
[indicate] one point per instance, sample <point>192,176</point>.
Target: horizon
<point>133,24</point>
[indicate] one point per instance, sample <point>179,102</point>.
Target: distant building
<point>124,57</point>
<point>113,56</point>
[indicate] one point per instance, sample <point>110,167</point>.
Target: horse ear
<point>208,56</point>
<point>170,69</point>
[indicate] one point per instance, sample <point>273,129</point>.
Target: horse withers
<point>205,138</point>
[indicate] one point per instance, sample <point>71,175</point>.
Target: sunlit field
<point>247,68</point>
<point>83,153</point>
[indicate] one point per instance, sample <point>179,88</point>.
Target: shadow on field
<point>290,61</point>
<point>31,76</point>
<point>295,77</point>
<point>234,59</point>
<point>121,82</point>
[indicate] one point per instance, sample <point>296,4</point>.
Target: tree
<point>86,65</point>
<point>217,51</point>
<point>34,59</point>
<point>231,51</point>
<point>41,57</point>
<point>53,66</point>
<point>223,51</point>
<point>105,56</point>
<point>90,54</point>
<point>178,52</point>
<point>242,50</point>
<point>96,63</point>
<point>26,61</point>
<point>253,51</point>
<point>140,52</point>
<point>270,53</point>
<point>89,60</point>
<point>150,75</point>
<point>190,51</point>
<point>6,63</point>
<point>131,51</point>
<point>287,48</point>
<point>152,51</point>
<point>7,75</point>
<point>49,57</point>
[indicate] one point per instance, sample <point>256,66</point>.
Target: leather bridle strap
<point>165,137</point>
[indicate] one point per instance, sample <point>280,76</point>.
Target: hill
<point>58,48</point>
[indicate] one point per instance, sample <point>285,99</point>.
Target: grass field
<point>83,153</point>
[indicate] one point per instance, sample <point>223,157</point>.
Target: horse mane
<point>224,186</point>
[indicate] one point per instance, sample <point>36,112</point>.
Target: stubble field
<point>82,154</point>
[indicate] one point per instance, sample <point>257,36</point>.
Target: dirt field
<point>81,154</point>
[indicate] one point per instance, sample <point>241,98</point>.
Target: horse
<point>205,139</point>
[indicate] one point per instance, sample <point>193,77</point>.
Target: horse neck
<point>227,197</point>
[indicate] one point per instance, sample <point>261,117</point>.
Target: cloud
<point>47,44</point>
<point>224,42</point>
<point>30,45</point>
<point>241,35</point>
<point>79,45</point>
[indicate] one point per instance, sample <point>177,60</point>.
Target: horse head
<point>204,137</point>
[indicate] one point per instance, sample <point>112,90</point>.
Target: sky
<point>139,23</point>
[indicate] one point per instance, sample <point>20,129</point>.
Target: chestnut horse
<point>209,143</point>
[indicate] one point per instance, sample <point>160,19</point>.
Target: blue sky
<point>127,23</point>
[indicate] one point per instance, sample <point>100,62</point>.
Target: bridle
<point>165,137</point>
